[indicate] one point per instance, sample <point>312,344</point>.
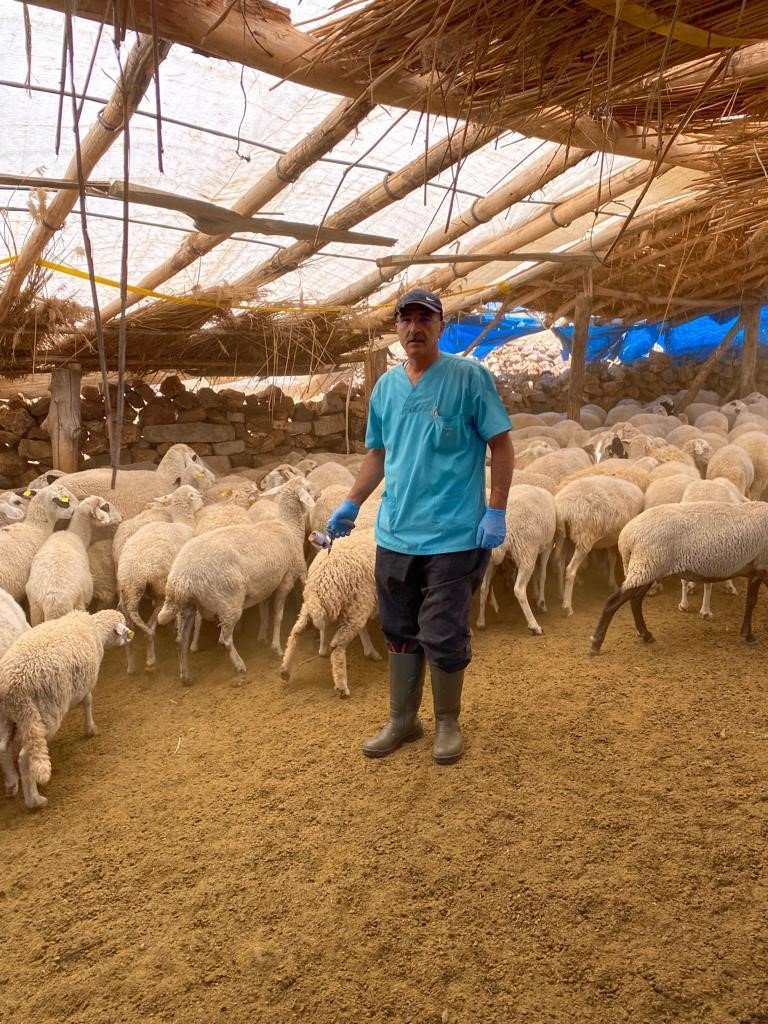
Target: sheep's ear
<point>590,450</point>
<point>177,482</point>
<point>25,492</point>
<point>52,477</point>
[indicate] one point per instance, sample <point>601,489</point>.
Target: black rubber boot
<point>406,683</point>
<point>446,696</point>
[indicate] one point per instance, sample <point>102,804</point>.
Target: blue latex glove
<point>492,528</point>
<point>341,521</point>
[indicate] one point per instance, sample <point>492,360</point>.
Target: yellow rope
<point>643,17</point>
<point>181,300</point>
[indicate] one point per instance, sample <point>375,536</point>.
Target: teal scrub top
<point>434,436</point>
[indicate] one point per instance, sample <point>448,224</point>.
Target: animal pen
<point>209,209</point>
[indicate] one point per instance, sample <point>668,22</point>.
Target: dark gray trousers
<point>424,603</point>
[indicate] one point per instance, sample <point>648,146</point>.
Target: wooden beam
<point>108,127</point>
<point>750,316</point>
<point>64,421</point>
<point>581,320</point>
<point>343,119</point>
<point>253,38</point>
<point>582,259</point>
<point>700,379</point>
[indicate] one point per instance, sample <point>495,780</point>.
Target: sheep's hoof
<point>343,694</point>
<point>536,631</point>
<point>594,651</point>
<point>541,605</point>
<point>285,675</point>
<point>324,652</point>
<point>185,680</point>
<point>150,667</point>
<point>11,789</point>
<point>480,625</point>
<point>706,615</point>
<point>36,802</point>
<point>647,638</point>
<point>568,611</point>
<point>750,638</point>
<point>374,656</point>
<point>90,733</point>
<point>684,607</point>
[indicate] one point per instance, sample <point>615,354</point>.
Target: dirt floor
<point>227,854</point>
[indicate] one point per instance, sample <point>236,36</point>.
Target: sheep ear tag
<point>27,493</point>
<point>62,501</point>
<point>130,634</point>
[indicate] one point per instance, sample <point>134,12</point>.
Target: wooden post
<point>698,381</point>
<point>581,319</point>
<point>375,362</point>
<point>64,422</point>
<point>751,318</point>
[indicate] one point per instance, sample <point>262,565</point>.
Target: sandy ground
<point>227,854</point>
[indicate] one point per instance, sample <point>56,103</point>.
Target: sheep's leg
<point>706,609</point>
<point>90,725</point>
<point>541,598</point>
<point>524,573</point>
<point>227,625</point>
<point>611,556</point>
<point>325,639</point>
<point>186,623</point>
<point>559,562</point>
<point>10,775</point>
<point>684,606</point>
<point>368,649</point>
<point>261,638</point>
<point>485,587</point>
<point>300,626</point>
<point>151,629</point>
<point>281,594</point>
<point>574,565</point>
<point>341,639</point>
<point>195,645</point>
<point>636,603</point>
<point>492,599</point>
<point>612,605</point>
<point>35,613</point>
<point>32,797</point>
<point>753,589</point>
<point>729,587</point>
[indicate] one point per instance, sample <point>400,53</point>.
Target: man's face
<point>418,330</point>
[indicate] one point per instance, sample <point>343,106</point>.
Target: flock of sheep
<point>177,545</point>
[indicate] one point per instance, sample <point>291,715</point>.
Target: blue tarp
<point>694,338</point>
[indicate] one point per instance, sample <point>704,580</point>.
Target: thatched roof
<point>638,136</point>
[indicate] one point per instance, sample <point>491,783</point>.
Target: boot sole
<point>452,759</point>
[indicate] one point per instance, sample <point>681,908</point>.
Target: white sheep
<point>60,578</point>
<point>720,490</point>
<point>622,469</point>
<point>146,560</point>
<point>20,542</point>
<point>674,469</point>
<point>13,621</point>
<point>755,444</point>
<point>591,513</point>
<point>734,464</point>
<point>330,473</point>
<point>560,464</point>
<point>134,487</point>
<point>703,541</point>
<point>668,490</point>
<point>222,572</point>
<point>531,522</point>
<point>47,671</point>
<point>340,591</point>
<point>13,508</point>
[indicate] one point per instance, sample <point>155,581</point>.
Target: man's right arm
<point>369,476</point>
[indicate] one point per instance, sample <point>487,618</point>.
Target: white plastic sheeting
<point>252,106</point>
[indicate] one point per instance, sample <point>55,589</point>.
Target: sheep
<point>713,421</point>
<point>531,522</point>
<point>560,464</point>
<point>591,513</point>
<point>134,488</point>
<point>13,621</point>
<point>667,490</point>
<point>20,542</point>
<point>680,435</point>
<point>674,469</point>
<point>704,541</point>
<point>746,428</point>
<point>734,464</point>
<point>48,670</point>
<point>211,517</point>
<point>13,508</point>
<point>235,567</point>
<point>60,578</point>
<point>50,476</point>
<point>330,473</point>
<point>307,465</point>
<point>619,468</point>
<point>755,444</point>
<point>723,491</point>
<point>146,560</point>
<point>658,448</point>
<point>522,477</point>
<point>340,591</point>
<point>700,450</point>
<point>534,449</point>
<point>277,476</point>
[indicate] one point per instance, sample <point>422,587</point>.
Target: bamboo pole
<point>699,380</point>
<point>542,171</point>
<point>751,317</point>
<point>64,421</point>
<point>272,45</point>
<point>581,320</point>
<point>321,140</point>
<point>108,127</point>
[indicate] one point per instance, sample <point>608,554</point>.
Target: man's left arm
<point>502,465</point>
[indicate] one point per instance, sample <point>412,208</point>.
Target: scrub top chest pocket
<point>447,431</point>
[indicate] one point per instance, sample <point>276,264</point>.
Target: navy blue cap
<point>420,297</point>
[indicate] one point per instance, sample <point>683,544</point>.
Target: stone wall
<point>229,429</point>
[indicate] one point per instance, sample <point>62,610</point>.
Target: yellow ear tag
<point>63,499</point>
<point>225,494</point>
<point>130,634</point>
<point>200,476</point>
<point>26,493</point>
<point>165,500</point>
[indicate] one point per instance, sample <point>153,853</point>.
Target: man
<point>429,422</point>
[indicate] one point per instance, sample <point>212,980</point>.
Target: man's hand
<point>341,521</point>
<point>492,528</point>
